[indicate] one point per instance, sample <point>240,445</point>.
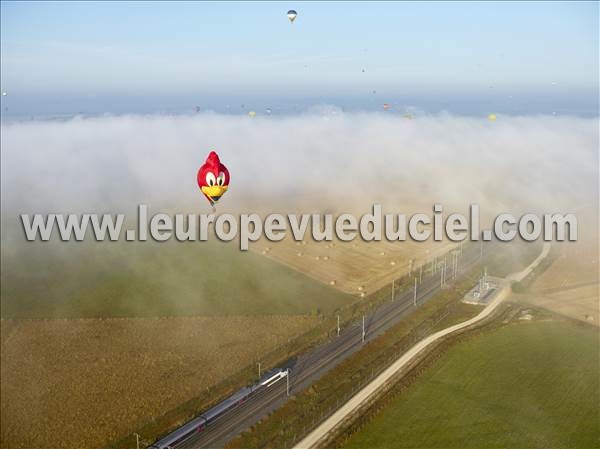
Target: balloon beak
<point>214,193</point>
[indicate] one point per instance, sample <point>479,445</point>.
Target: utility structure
<point>363,328</point>
<point>455,255</point>
<point>287,382</point>
<point>442,277</point>
<point>457,262</point>
<point>137,440</point>
<point>453,275</point>
<point>415,293</point>
<point>421,274</point>
<point>442,268</point>
<point>445,270</point>
<point>483,281</point>
<point>338,325</point>
<point>258,370</point>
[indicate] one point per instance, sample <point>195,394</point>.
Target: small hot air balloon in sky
<point>251,114</point>
<point>491,117</point>
<point>213,178</point>
<point>291,14</point>
<point>386,106</point>
<point>4,93</point>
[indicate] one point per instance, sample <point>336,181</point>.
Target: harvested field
<point>97,379</point>
<point>580,303</point>
<point>352,267</point>
<point>358,266</point>
<point>364,267</point>
<point>570,286</point>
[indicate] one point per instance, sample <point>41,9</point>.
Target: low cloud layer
<point>323,160</point>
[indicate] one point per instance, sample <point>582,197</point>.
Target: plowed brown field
<point>79,383</point>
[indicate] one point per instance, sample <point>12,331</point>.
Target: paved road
<point>320,433</point>
<point>311,366</point>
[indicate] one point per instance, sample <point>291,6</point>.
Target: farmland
<point>570,286</point>
<point>98,340</point>
<point>120,334</point>
<point>354,267</point>
<point>96,380</point>
<point>529,384</point>
<point>85,280</point>
<point>351,267</point>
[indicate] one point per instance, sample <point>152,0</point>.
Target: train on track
<point>199,424</point>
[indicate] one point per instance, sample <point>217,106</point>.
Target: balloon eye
<point>210,179</point>
<point>221,179</point>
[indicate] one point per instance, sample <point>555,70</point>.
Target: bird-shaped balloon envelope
<point>213,178</point>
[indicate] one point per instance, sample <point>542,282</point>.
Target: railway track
<point>309,367</point>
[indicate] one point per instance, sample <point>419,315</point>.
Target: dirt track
<point>316,436</point>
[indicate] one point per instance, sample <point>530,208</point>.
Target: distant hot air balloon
<point>292,15</point>
<point>197,108</point>
<point>268,111</point>
<point>213,178</point>
<point>251,114</point>
<point>4,94</point>
<point>491,117</point>
<point>386,106</point>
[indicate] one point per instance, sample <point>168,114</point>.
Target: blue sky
<point>174,49</point>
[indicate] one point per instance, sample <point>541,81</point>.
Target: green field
<point>526,385</point>
<point>153,279</point>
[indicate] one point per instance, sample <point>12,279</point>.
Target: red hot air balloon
<point>213,178</point>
